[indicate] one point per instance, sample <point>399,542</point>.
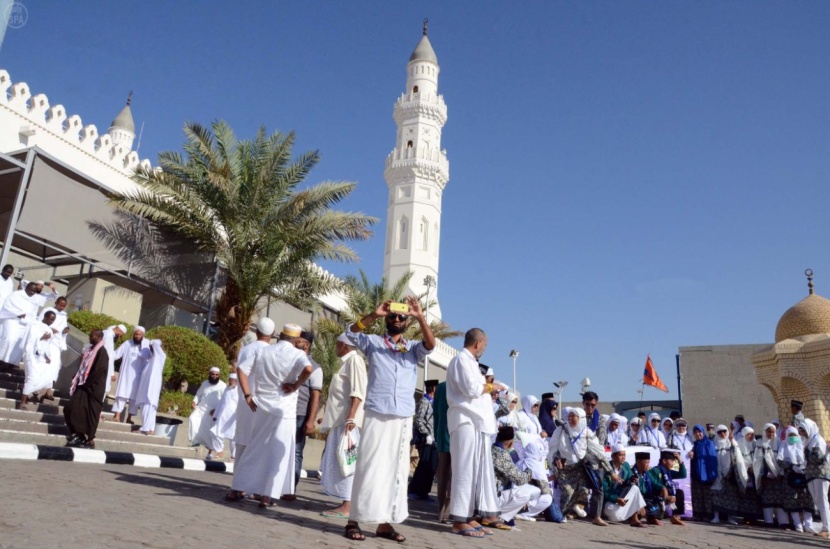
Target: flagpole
<point>642,392</point>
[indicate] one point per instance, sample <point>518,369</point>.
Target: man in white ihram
<point>204,403</point>
<point>134,354</point>
<point>267,465</point>
<point>111,334</point>
<point>149,389</point>
<point>18,311</point>
<point>224,420</point>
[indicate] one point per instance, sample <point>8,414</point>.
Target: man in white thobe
<point>224,420</point>
<point>149,389</point>
<point>110,335</point>
<point>41,296</point>
<point>244,416</point>
<point>623,500</point>
<point>18,311</point>
<point>37,356</point>
<point>471,423</point>
<point>58,341</point>
<point>7,283</point>
<point>343,417</point>
<point>204,404</point>
<point>134,354</point>
<point>267,466</point>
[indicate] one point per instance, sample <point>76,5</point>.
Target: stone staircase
<point>43,424</point>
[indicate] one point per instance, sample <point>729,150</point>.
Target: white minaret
<point>122,129</point>
<point>416,172</point>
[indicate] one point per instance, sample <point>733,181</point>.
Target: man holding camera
<point>379,492</point>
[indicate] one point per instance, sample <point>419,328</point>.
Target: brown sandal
<point>391,535</point>
<point>354,533</point>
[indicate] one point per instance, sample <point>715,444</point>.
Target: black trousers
<point>421,483</point>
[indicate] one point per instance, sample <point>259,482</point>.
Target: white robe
<point>634,502</point>
<point>109,345</point>
<point>7,286</point>
<point>36,359</point>
<point>224,418</point>
<point>46,294</point>
<point>58,341</point>
<point>134,359</point>
<point>13,328</point>
<point>149,387</point>
<point>207,398</point>
<point>244,415</point>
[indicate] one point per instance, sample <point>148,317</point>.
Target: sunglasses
<point>396,316</point>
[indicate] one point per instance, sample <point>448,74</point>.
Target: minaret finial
<point>809,273</point>
<point>426,22</point>
<point>129,98</point>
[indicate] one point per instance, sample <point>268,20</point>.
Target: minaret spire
<point>426,22</point>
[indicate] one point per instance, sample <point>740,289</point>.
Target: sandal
<point>234,495</point>
<point>391,535</point>
<point>264,502</point>
<point>496,525</point>
<point>354,533</point>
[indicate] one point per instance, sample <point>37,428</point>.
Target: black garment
<point>421,483</point>
<point>83,412</point>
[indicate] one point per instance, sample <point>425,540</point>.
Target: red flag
<point>651,378</point>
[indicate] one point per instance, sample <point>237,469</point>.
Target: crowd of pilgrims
<point>497,457</point>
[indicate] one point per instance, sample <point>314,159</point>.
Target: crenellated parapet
<point>51,128</point>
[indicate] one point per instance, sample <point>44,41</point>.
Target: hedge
<point>190,356</point>
<point>175,402</point>
<point>87,321</point>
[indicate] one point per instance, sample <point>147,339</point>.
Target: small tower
<point>122,129</point>
<point>416,173</point>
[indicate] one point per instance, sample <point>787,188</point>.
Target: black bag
<point>680,501</point>
<point>594,477</point>
<point>796,480</point>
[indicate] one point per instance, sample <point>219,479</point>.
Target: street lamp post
<point>560,385</point>
<point>429,282</point>
<point>514,354</point>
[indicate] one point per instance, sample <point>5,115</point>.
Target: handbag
<point>796,480</point>
<point>347,455</point>
<point>594,478</point>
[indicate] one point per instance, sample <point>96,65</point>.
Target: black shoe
<point>77,441</point>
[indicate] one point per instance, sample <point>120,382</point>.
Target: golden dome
<point>809,316</point>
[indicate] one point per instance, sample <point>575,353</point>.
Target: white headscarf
<point>573,441</point>
<point>746,447</point>
<point>650,436</point>
<point>814,439</point>
<point>683,442</point>
<point>792,453</point>
<point>512,419</point>
<point>765,457</point>
<point>530,421</point>
<point>723,446</point>
<point>666,432</point>
<point>618,435</point>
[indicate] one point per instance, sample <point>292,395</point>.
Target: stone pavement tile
<point>56,504</point>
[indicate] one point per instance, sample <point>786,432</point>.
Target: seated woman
<point>513,486</point>
<point>623,500</point>
<point>575,452</point>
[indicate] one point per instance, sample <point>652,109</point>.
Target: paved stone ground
<point>54,504</point>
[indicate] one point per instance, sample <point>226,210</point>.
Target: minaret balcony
<point>412,105</point>
<point>429,163</point>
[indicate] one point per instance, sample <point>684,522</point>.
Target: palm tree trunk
<point>233,318</point>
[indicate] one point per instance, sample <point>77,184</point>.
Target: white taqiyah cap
<point>617,448</point>
<point>214,370</point>
<point>122,328</point>
<point>139,329</point>
<point>265,326</point>
<point>489,372</point>
<point>232,376</point>
<point>344,339</point>
<point>39,283</point>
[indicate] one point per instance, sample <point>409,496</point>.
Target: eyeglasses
<point>396,316</point>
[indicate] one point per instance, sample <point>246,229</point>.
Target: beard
<point>395,330</point>
<point>213,381</point>
<point>138,340</point>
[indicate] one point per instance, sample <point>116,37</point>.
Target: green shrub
<point>190,356</point>
<point>175,402</point>
<point>87,321</point>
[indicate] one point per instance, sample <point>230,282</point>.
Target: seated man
<point>513,486</point>
<point>669,470</point>
<point>623,500</point>
<point>651,487</point>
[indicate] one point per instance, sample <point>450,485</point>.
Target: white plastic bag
<point>347,454</point>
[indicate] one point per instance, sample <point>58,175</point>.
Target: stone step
<point>15,394</point>
<point>54,418</point>
<point>102,443</point>
<point>22,425</point>
<point>15,377</point>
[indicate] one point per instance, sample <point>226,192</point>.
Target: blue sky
<point>625,177</point>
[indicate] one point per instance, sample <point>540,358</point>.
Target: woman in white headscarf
<point>635,427</point>
<point>769,480</point>
<point>616,433</point>
<point>791,462</point>
<point>573,448</point>
<point>680,440</point>
<point>529,417</point>
<point>512,417</point>
<point>817,471</point>
<point>666,427</point>
<point>746,445</point>
<point>651,434</point>
<point>730,493</point>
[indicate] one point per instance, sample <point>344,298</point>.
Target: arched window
<point>403,233</point>
<point>423,231</point>
<point>409,144</point>
<point>415,89</point>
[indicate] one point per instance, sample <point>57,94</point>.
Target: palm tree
<point>240,202</point>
